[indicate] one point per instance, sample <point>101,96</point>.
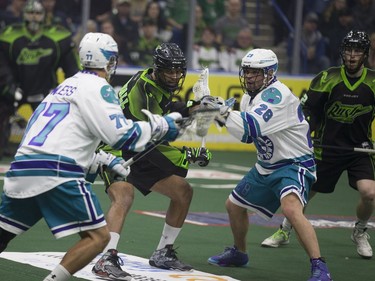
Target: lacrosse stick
<point>355,149</point>
<point>201,117</point>
<point>201,89</point>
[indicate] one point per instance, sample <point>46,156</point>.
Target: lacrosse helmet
<point>169,60</point>
<point>359,42</point>
<point>99,51</point>
<point>257,62</point>
<point>33,15</point>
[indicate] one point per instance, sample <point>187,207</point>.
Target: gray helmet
<point>33,23</point>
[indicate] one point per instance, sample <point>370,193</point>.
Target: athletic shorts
<point>262,193</point>
<point>158,164</point>
<point>360,166</point>
<point>68,209</point>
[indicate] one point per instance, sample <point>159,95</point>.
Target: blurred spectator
<point>313,47</point>
<point>226,27</point>
<point>243,44</point>
<point>371,57</point>
<point>12,13</point>
<point>123,53</point>
<point>212,10</point>
<point>137,9</point>
<point>54,16</point>
<point>330,15</point>
<point>206,53</point>
<point>177,13</point>
<point>73,11</point>
<point>200,24</point>
<point>335,32</point>
<point>100,10</point>
<point>364,15</point>
<point>156,13</point>
<point>147,43</point>
<point>91,27</point>
<point>281,31</point>
<point>124,25</point>
<point>315,6</point>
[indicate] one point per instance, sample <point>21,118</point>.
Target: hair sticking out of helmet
<point>255,63</point>
<point>99,51</point>
<point>170,67</point>
<point>33,15</point>
<point>356,43</point>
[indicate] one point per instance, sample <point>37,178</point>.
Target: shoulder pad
<point>56,32</point>
<point>12,32</point>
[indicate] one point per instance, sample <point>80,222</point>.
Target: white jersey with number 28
<point>274,121</point>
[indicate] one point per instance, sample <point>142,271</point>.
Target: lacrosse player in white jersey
<point>47,177</point>
<point>272,119</point>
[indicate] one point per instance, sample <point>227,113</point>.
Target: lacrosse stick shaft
<point>354,149</point>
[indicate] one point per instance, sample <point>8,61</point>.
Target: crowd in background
<point>222,35</point>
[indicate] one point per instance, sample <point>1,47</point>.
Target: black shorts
<point>158,164</point>
<point>359,166</point>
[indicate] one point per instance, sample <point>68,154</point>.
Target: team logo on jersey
<point>347,113</point>
<point>109,95</point>
<point>271,95</point>
<point>31,56</point>
<point>264,147</point>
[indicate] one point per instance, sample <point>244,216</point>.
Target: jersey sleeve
<point>106,120</point>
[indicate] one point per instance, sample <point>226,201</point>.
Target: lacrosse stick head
<point>203,118</point>
<point>200,88</point>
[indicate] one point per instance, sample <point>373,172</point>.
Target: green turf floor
<point>197,243</point>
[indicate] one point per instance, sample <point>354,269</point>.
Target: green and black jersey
<point>31,61</point>
<point>141,92</point>
<point>341,109</point>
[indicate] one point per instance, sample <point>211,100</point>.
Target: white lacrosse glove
<point>224,106</point>
<point>115,164</point>
<point>164,127</point>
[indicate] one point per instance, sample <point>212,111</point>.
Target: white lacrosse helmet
<point>259,59</point>
<point>99,50</point>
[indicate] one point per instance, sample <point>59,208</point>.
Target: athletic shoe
<point>108,267</point>
<point>280,237</point>
<point>230,257</point>
<point>166,259</point>
<point>319,271</point>
<point>360,238</point>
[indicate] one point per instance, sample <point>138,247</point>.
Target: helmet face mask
<point>99,51</point>
<point>169,67</point>
<point>33,15</point>
<point>257,70</point>
<point>354,50</point>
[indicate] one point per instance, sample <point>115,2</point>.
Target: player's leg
<point>180,193</point>
<point>361,177</point>
<point>328,174</point>
<point>121,195</point>
<point>83,206</point>
<point>292,200</point>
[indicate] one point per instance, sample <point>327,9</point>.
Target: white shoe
<point>280,237</point>
<point>360,238</point>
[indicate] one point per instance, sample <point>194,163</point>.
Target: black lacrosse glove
<point>202,156</point>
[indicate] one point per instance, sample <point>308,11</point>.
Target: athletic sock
<point>168,236</point>
<point>361,225</point>
<point>115,237</point>
<point>58,274</point>
<point>286,226</point>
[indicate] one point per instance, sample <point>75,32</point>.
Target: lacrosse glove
<point>164,127</point>
<point>115,164</point>
<point>201,155</point>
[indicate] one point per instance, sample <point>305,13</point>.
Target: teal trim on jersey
<point>129,140</point>
<point>45,157</point>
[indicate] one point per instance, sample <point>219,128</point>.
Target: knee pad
<point>5,237</point>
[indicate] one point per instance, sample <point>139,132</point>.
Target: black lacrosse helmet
<point>358,40</point>
<point>169,58</point>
